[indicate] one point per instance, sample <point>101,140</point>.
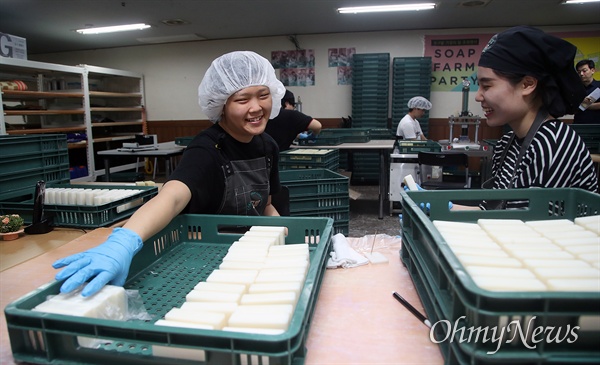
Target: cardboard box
<point>12,46</point>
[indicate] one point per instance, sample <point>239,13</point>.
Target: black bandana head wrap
<point>529,51</point>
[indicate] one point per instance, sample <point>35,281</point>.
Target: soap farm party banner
<point>455,57</point>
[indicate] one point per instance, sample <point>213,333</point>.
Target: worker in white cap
<point>409,127</point>
<point>230,168</point>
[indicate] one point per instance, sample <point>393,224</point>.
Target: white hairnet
<point>419,102</point>
<point>233,72</point>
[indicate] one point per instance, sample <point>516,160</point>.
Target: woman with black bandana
<point>526,80</point>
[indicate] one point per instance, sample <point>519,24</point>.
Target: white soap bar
<point>219,307</point>
<point>593,227</point>
<point>217,320</point>
<point>540,263</point>
<point>301,265</point>
<point>517,247</point>
<point>240,265</point>
<point>289,255</point>
<point>460,251</point>
<point>588,285</point>
<point>567,273</point>
<point>212,296</point>
<point>165,322</point>
<point>251,245</point>
<point>501,272</point>
<point>494,283</point>
<point>290,247</point>
<point>280,230</point>
<point>584,234</point>
<point>595,219</point>
<point>276,237</point>
<point>538,254</point>
<point>516,240</point>
<point>491,262</point>
<point>259,239</point>
<point>277,276</point>
<point>108,303</point>
<point>550,223</point>
<point>266,308</point>
<point>410,182</point>
<point>486,243</point>
<point>259,288</point>
<point>230,288</point>
<point>273,320</point>
<point>583,249</point>
<point>567,241</point>
<point>288,297</point>
<point>245,277</point>
<point>236,256</point>
<point>261,331</point>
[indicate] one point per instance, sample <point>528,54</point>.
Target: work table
<point>356,319</point>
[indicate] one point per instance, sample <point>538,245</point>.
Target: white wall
<point>173,71</point>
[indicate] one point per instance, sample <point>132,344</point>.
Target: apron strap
<point>535,126</point>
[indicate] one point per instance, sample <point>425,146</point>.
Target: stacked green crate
<point>370,108</point>
<point>319,193</point>
<point>411,76</point>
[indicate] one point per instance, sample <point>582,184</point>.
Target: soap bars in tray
<point>92,197</point>
<point>512,255</point>
<point>255,288</point>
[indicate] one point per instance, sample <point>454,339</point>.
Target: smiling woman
<point>230,168</point>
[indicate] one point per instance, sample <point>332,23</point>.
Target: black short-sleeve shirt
<point>200,168</point>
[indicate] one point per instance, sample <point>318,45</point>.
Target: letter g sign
<point>5,49</point>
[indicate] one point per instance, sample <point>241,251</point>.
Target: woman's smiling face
<point>502,102</point>
<point>246,112</point>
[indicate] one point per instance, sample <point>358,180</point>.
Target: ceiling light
<point>384,8</point>
<point>579,1</point>
<point>116,28</point>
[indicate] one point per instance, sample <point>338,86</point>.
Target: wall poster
<point>342,59</point>
<point>455,57</point>
<point>296,67</point>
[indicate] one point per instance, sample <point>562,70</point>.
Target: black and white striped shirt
<point>557,157</point>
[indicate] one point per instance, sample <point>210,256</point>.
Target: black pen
<point>412,309</point>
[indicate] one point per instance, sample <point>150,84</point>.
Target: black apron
<point>246,181</point>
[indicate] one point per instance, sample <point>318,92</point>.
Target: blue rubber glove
<point>108,262</point>
<point>427,206</point>
<point>304,135</point>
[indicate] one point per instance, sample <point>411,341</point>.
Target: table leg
<point>382,182</point>
<point>107,169</point>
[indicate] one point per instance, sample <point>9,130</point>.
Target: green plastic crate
<point>318,202</point>
<point>590,133</point>
<point>169,265</point>
<point>308,159</point>
<point>313,181</point>
<point>25,160</point>
<point>183,141</point>
<point>82,216</point>
<point>449,293</point>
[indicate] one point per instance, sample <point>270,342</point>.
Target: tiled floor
<point>364,214</point>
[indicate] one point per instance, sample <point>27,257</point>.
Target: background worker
<point>291,124</point>
<point>239,93</point>
<point>409,127</point>
<point>591,115</point>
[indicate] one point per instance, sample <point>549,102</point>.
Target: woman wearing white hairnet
<point>409,127</point>
<point>230,168</point>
